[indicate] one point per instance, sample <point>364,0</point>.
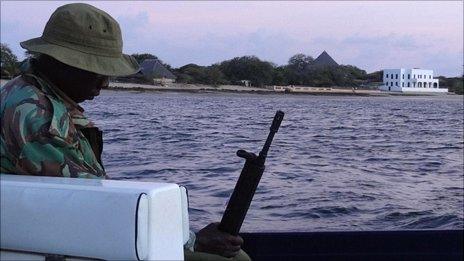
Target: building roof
<point>153,68</point>
<point>324,59</point>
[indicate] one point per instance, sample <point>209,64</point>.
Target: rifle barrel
<point>279,116</point>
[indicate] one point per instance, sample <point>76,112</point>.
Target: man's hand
<point>211,240</point>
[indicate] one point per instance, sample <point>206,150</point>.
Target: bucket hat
<point>84,37</point>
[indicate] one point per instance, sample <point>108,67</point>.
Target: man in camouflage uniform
<point>43,129</point>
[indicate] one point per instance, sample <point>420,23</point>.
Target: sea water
<point>337,163</point>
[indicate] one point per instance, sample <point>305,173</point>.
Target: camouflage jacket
<point>44,132</point>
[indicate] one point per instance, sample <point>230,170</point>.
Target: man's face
<point>79,85</point>
<point>84,85</point>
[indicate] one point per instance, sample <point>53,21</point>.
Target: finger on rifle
<point>230,253</point>
<point>235,240</point>
<point>233,248</point>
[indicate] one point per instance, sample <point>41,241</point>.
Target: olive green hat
<point>84,37</point>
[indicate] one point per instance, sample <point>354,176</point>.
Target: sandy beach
<point>179,87</point>
<point>182,87</point>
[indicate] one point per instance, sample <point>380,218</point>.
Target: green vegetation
<point>140,57</point>
<point>9,63</point>
<point>298,71</point>
<point>454,84</point>
<point>250,68</point>
<point>192,73</point>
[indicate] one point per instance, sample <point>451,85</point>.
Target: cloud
<point>133,29</point>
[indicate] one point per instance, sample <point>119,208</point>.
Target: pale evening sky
<point>368,34</point>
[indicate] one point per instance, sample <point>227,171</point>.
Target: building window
<point>396,83</point>
<point>409,84</point>
<point>414,84</point>
<point>430,76</point>
<point>402,75</point>
<point>391,84</point>
<point>414,76</point>
<point>396,76</point>
<point>409,76</point>
<point>386,76</point>
<point>402,84</point>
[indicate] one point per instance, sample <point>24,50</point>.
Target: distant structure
<point>246,83</point>
<point>324,59</point>
<point>154,71</point>
<point>410,80</point>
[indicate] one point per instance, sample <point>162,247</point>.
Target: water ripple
<point>351,163</point>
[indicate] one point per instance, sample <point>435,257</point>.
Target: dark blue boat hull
<point>360,245</point>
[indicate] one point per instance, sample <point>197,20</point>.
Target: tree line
<point>299,70</point>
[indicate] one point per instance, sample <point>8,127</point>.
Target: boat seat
<point>96,219</point>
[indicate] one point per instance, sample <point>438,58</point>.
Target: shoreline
<point>200,88</point>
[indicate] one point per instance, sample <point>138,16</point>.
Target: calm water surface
<point>337,163</point>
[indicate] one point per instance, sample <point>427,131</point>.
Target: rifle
<point>245,188</point>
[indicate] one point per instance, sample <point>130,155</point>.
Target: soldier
<point>43,129</point>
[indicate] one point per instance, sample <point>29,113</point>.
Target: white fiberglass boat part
<point>104,219</point>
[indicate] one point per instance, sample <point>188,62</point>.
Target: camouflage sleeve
<point>40,149</point>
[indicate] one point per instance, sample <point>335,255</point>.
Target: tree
<point>297,70</point>
<point>300,62</point>
<point>215,76</point>
<point>279,76</point>
<point>9,62</point>
<point>192,73</point>
<point>454,84</point>
<point>142,56</point>
<point>250,68</point>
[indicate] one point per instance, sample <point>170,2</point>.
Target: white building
<point>410,80</point>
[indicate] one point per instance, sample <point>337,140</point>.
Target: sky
<point>371,35</point>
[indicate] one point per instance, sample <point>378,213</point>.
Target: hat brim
<point>103,65</point>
